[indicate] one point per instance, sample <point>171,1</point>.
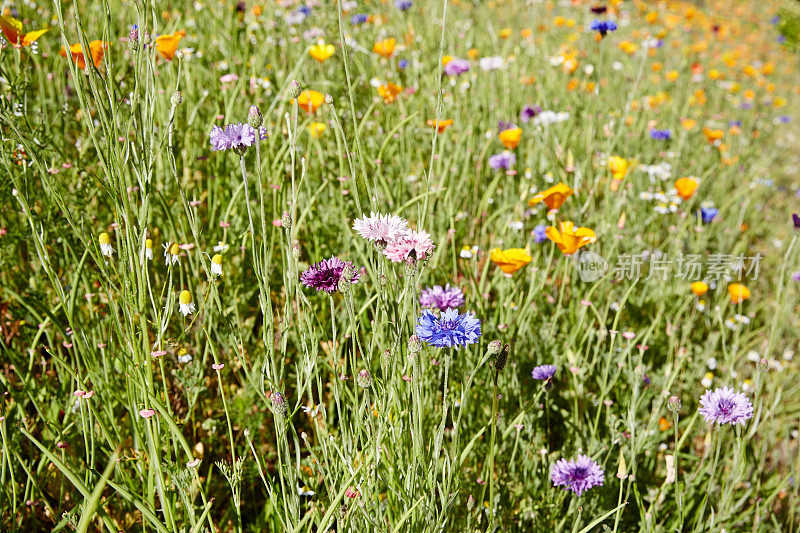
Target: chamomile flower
<point>148,249</point>
<point>216,265</point>
<point>186,305</point>
<point>105,244</point>
<point>172,253</point>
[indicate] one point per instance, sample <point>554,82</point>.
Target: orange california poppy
<point>441,125</point>
<point>618,167</point>
<point>315,129</point>
<point>738,293</point>
<point>713,135</point>
<point>12,30</point>
<point>389,92</point>
<point>310,100</point>
<point>554,197</point>
<point>97,50</point>
<point>510,260</point>
<point>686,187</point>
<point>699,288</point>
<point>384,48</point>
<point>664,424</point>
<point>568,238</point>
<point>167,45</point>
<point>510,137</point>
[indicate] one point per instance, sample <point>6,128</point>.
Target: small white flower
<point>172,253</point>
<point>216,265</point>
<point>706,381</point>
<point>186,305</point>
<point>711,363</point>
<point>185,358</point>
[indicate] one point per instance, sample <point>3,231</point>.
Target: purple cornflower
<point>796,276</point>
<point>578,476</point>
<point>543,372</point>
<point>603,26</point>
<point>725,406</point>
<point>708,214</point>
<point>237,137</point>
<point>502,125</point>
<point>796,220</point>
<point>502,161</point>
<point>358,18</point>
<point>325,275</point>
<point>438,297</point>
<point>529,112</point>
<point>456,66</point>
<point>403,5</point>
<point>403,63</point>
<point>449,330</point>
<point>660,135</point>
<point>540,234</point>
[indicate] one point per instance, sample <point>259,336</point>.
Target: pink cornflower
<point>380,228</point>
<point>411,248</point>
<point>218,366</point>
<point>147,413</point>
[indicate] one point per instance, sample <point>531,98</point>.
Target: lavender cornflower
<point>578,476</point>
<point>237,137</point>
<point>502,161</point>
<point>660,135</point>
<point>325,275</point>
<point>543,372</point>
<point>725,406</point>
<point>449,330</point>
<point>437,297</point>
<point>529,112</point>
<point>603,26</point>
<point>540,234</point>
<point>456,66</point>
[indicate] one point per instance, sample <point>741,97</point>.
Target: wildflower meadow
<point>399,265</point>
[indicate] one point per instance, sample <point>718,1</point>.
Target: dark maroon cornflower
<point>598,10</point>
<point>796,220</point>
<point>529,112</point>
<point>326,275</point>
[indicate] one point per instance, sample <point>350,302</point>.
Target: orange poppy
<point>699,288</point>
<point>97,50</point>
<point>738,293</point>
<point>12,30</point>
<point>321,51</point>
<point>686,187</point>
<point>384,48</point>
<point>569,238</point>
<point>441,125</point>
<point>618,167</point>
<point>310,100</point>
<point>510,137</point>
<point>389,92</point>
<point>713,135</point>
<point>554,197</point>
<point>167,45</point>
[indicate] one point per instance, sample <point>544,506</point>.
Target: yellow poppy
<point>554,197</point>
<point>699,288</point>
<point>510,137</point>
<point>310,100</point>
<point>12,30</point>
<point>384,48</point>
<point>321,51</point>
<point>569,238</point>
<point>510,260</point>
<point>167,45</point>
<point>389,92</point>
<point>96,51</point>
<point>315,129</point>
<point>618,167</point>
<point>686,187</point>
<point>738,293</point>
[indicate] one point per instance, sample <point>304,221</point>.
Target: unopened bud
<point>414,345</point>
<point>247,433</point>
<point>254,117</point>
<point>622,469</point>
<point>762,366</point>
<point>674,404</point>
<point>286,220</point>
<point>176,99</point>
<point>502,358</point>
<point>293,91</point>
<point>346,278</point>
<point>133,38</point>
<point>329,99</point>
<point>278,403</point>
<point>296,251</point>
<point>364,379</point>
<point>470,503</point>
<point>494,347</point>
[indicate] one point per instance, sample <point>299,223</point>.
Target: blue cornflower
<point>403,63</point>
<point>358,18</point>
<point>540,234</point>
<point>604,26</point>
<point>449,330</point>
<point>403,5</point>
<point>708,214</point>
<point>660,135</point>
